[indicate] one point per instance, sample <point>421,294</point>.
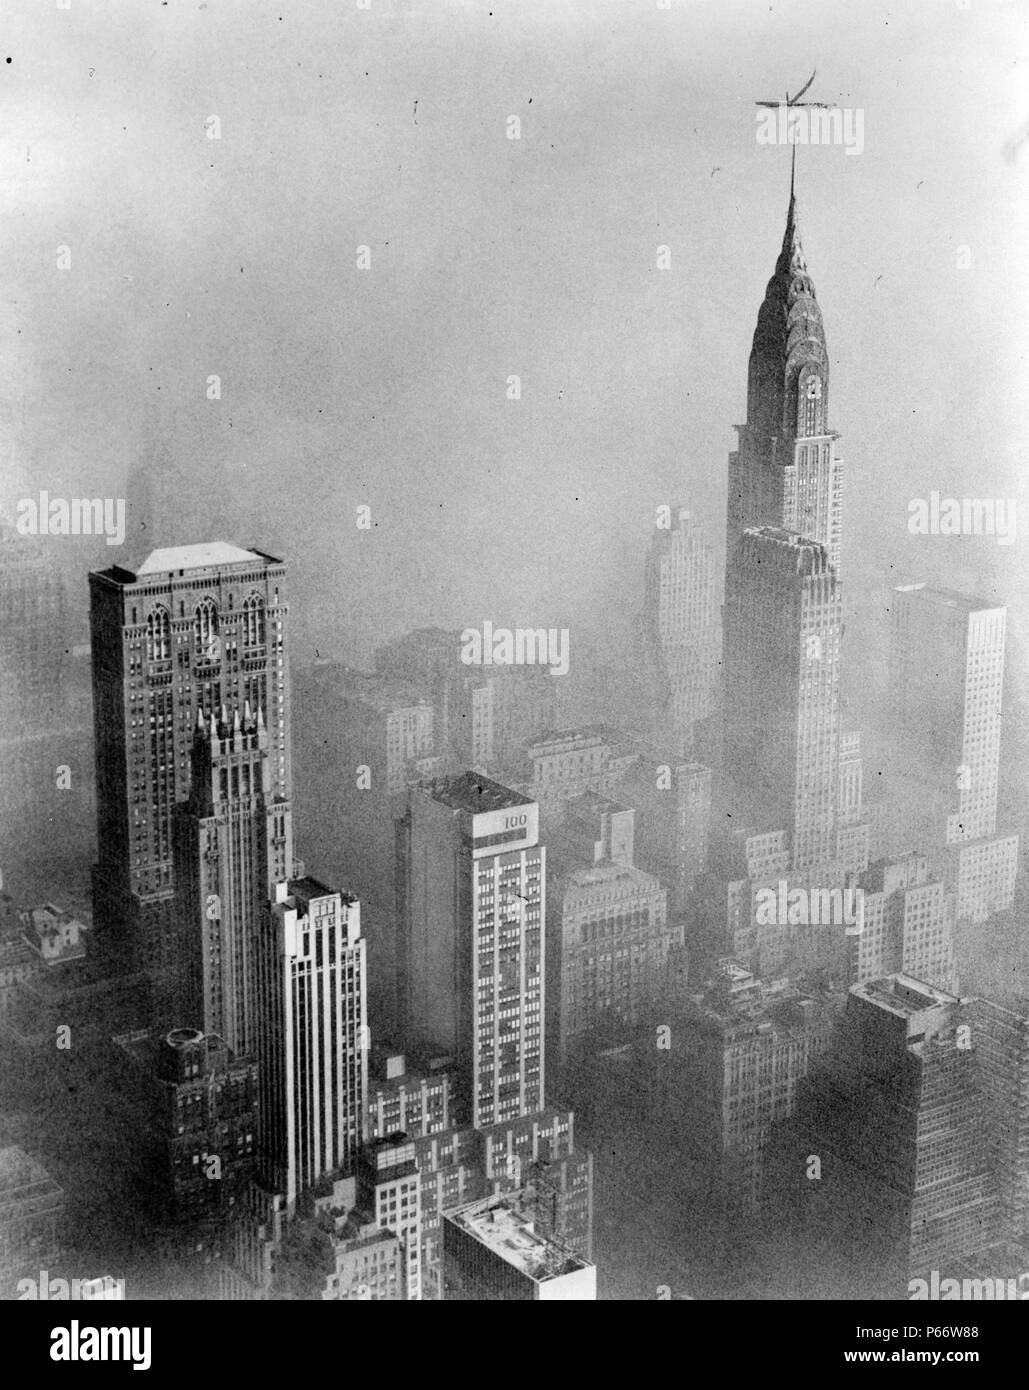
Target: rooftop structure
<point>493,1250</point>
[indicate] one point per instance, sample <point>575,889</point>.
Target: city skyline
<point>452,849</point>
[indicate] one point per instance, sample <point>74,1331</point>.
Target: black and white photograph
<point>514,667</point>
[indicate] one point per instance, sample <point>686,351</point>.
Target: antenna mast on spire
<point>790,103</point>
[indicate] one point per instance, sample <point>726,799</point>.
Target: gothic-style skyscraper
<point>195,627</point>
<point>232,842</point>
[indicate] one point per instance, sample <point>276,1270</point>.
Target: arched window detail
<point>813,405</point>
<point>158,635</point>
<point>253,621</point>
<point>205,629</point>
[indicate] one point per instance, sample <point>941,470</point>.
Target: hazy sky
<point>386,387</point>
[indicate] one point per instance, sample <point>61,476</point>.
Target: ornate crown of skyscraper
<point>789,346</point>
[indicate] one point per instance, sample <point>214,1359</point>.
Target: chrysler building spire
<point>785,472</point>
<point>787,396</point>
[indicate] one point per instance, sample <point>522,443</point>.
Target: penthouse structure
<point>53,934</point>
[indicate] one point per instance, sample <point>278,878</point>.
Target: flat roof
<point>308,887</point>
<point>610,871</point>
<point>794,539</point>
<point>512,1236</point>
<point>946,598</point>
<point>471,791</point>
<point>594,733</point>
<point>903,994</point>
<point>596,802</point>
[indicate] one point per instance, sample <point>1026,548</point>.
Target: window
<point>253,621</point>
<point>205,629</point>
<point>158,635</point>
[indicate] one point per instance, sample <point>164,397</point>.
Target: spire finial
<point>793,176</point>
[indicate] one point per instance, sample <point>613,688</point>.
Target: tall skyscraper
<point>193,628</point>
<point>471,903</point>
<point>681,626</point>
<point>904,1182</point>
<point>947,697</point>
<point>312,1039</point>
<point>45,720</point>
<point>783,601</point>
<point>785,472</point>
<point>1002,1043</point>
<point>365,739</point>
<point>233,843</point>
<point>33,633</point>
<point>783,628</point>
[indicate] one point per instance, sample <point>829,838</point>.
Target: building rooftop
<point>607,871</point>
<point>473,792</point>
<point>903,994</point>
<point>946,598</point>
<point>733,998</point>
<point>383,693</point>
<point>174,559</point>
<point>509,1234</point>
<point>590,733</point>
<point>595,802</point>
<point>193,557</point>
<point>57,935</point>
<point>308,888</point>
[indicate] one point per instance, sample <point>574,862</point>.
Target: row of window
<point>205,628</point>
